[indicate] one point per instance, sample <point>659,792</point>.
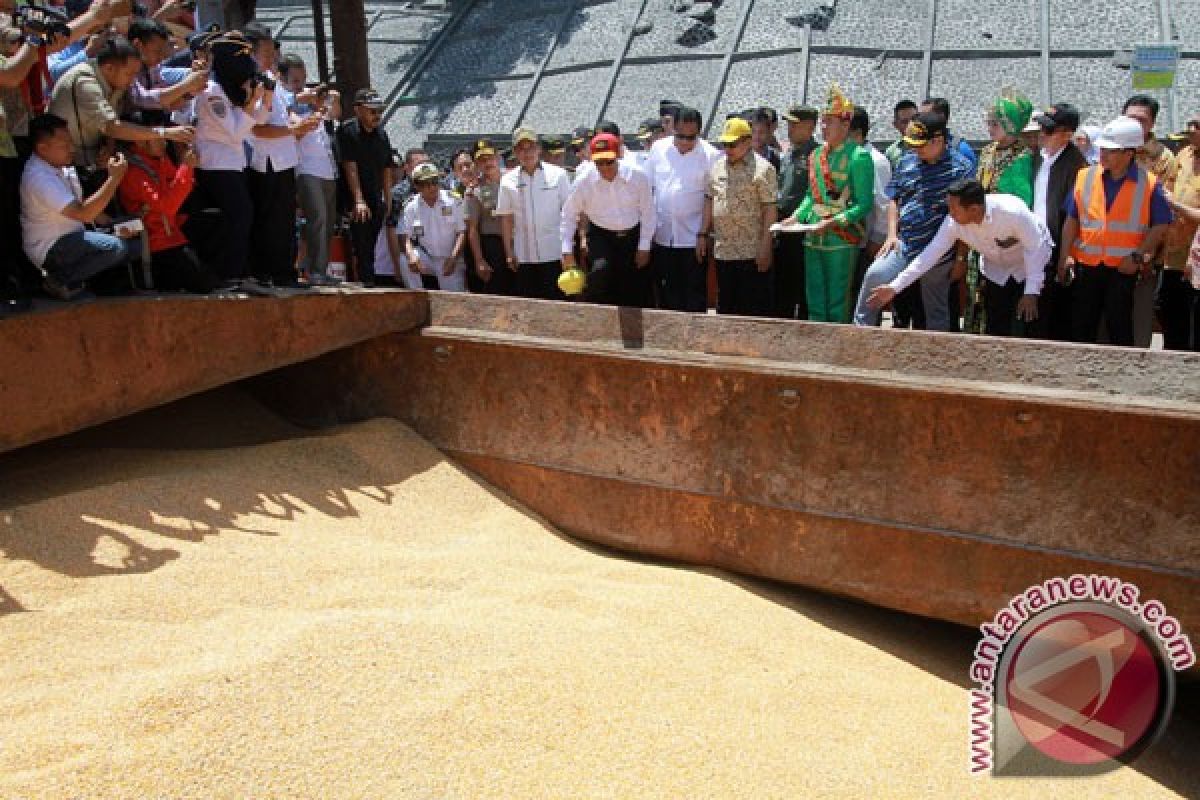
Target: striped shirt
<point>919,190</point>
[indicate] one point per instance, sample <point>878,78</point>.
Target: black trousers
<point>615,278</point>
<point>1000,305</point>
<point>742,289</point>
<point>682,279</point>
<point>791,299</point>
<point>1179,312</point>
<point>1102,293</point>
<point>273,245</point>
<point>537,281</point>
<point>228,191</point>
<point>1054,309</point>
<point>503,280</point>
<point>12,256</point>
<point>363,236</point>
<point>181,268</point>
<point>908,309</point>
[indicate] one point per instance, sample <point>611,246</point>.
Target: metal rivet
<point>441,353</point>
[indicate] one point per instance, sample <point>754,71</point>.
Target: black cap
<point>923,128</point>
<point>649,127</point>
<point>255,32</point>
<point>201,40</point>
<point>368,97</point>
<point>552,144</point>
<point>1062,115</point>
<point>801,114</point>
<point>581,135</point>
<point>669,107</point>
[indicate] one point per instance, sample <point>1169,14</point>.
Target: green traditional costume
<point>1004,168</point>
<point>842,188</point>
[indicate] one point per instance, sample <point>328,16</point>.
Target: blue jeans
<point>935,288</point>
<point>79,256</point>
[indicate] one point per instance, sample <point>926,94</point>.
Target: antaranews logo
<point>1076,676</point>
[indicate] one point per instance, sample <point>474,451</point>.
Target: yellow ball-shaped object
<point>572,281</point>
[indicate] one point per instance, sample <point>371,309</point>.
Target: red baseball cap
<point>605,147</point>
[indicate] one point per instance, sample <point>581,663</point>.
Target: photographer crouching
<point>155,188</point>
<point>55,216</point>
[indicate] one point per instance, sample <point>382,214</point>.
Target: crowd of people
<point>136,160</point>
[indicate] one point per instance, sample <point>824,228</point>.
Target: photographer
<point>152,89</point>
<point>88,97</point>
<point>55,213</point>
<point>316,175</point>
<point>155,189</point>
<point>226,113</point>
<point>272,173</point>
<point>17,57</point>
<point>83,35</point>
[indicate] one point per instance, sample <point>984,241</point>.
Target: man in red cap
<point>618,202</point>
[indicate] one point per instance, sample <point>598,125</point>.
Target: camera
<point>264,80</point>
<point>189,5</point>
<point>44,22</point>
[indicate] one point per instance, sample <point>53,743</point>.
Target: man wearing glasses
<point>739,210</point>
<point>618,203</point>
<point>367,166</point>
<point>678,167</point>
<point>1056,162</point>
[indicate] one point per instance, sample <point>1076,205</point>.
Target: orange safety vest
<point>1106,235</point>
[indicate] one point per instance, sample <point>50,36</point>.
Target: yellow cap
<point>572,281</point>
<point>735,128</point>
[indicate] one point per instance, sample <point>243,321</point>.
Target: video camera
<point>43,22</point>
<point>264,80</point>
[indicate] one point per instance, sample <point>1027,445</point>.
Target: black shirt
<point>371,152</point>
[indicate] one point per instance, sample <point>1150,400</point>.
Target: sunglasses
<point>687,137</point>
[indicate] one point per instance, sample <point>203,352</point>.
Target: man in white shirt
<point>624,155</point>
<point>678,168</point>
<point>618,203</point>
<point>434,232</point>
<point>1013,246</point>
<point>530,207</point>
<point>316,172</point>
<point>54,212</point>
<point>272,173</point>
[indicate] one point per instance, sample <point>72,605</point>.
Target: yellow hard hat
<point>572,281</point>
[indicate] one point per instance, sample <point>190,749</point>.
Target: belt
<point>618,234</point>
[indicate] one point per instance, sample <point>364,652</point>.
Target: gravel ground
<point>772,81</point>
<point>767,29</point>
<point>223,606</point>
<point>878,90</point>
<point>406,27</point>
<point>566,101</point>
<point>669,26</point>
<point>986,24</point>
<point>640,87</point>
<point>492,107</point>
<point>895,23</point>
<point>594,33</point>
<point>1114,25</point>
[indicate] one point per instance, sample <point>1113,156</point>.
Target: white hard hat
<point>1123,133</point>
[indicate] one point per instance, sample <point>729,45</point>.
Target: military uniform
<point>790,300</point>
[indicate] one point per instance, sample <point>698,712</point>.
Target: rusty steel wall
<point>931,473</point>
<point>75,366</point>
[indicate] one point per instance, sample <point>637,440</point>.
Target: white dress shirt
<point>222,129</point>
<point>1041,182</point>
<point>679,181</point>
<point>433,230</point>
<point>1011,241</point>
<point>45,191</point>
<point>535,204</point>
<point>280,151</point>
<point>617,205</point>
<point>877,225</point>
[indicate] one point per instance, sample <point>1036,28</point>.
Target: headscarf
<point>1013,111</point>
<point>1092,153</point>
